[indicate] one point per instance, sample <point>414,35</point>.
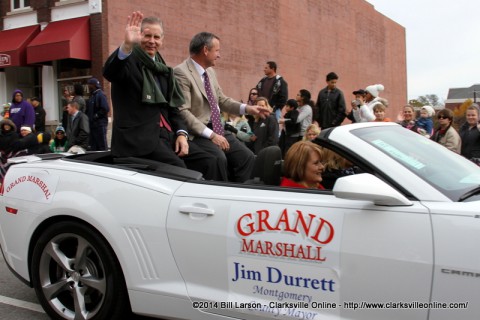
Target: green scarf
<point>151,92</point>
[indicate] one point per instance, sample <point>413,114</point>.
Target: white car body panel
<point>142,245</point>
<point>456,273</point>
<point>358,250</point>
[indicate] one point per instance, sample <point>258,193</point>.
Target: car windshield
<point>448,172</point>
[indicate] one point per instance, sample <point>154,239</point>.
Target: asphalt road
<point>18,301</point>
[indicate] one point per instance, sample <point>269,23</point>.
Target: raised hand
<point>133,33</point>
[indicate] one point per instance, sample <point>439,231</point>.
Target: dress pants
<point>236,164</point>
<point>197,159</point>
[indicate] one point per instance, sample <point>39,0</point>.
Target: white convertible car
<point>99,237</point>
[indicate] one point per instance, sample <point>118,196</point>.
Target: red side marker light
<point>11,210</point>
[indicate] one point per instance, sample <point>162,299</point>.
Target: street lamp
<point>475,96</point>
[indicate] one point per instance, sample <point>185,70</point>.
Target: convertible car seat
<point>268,166</point>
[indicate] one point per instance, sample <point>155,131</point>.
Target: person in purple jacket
<point>21,112</point>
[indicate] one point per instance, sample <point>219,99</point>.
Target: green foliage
<point>429,99</point>
<point>415,103</point>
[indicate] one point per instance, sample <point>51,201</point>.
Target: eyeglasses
<point>442,117</point>
<point>253,93</point>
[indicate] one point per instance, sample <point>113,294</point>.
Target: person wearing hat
<point>330,104</point>
<point>357,102</point>
<point>364,112</point>
<point>21,111</point>
<point>425,122</point>
<point>40,114</point>
<point>97,112</point>
<point>60,142</point>
<point>28,140</point>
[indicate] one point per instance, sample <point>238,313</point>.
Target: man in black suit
<point>146,99</point>
<point>78,129</point>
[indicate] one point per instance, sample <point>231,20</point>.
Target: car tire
<point>76,274</point>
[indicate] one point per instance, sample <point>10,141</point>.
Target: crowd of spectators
<point>24,131</point>
<point>302,120</point>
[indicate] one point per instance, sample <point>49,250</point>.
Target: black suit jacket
<point>136,125</point>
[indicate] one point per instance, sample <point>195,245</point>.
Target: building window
<point>20,4</point>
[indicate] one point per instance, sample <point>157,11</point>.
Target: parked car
<point>99,237</point>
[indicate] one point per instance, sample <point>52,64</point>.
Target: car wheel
<point>76,275</point>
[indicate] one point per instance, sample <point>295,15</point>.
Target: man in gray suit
<point>78,129</point>
<point>204,100</point>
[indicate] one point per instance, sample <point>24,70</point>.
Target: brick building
<point>46,45</point>
<point>457,96</point>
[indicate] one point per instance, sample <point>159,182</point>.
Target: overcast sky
<point>443,43</point>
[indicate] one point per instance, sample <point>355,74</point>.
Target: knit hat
<point>375,89</point>
<point>95,82</point>
<point>26,128</point>
<point>59,128</point>
<point>429,109</point>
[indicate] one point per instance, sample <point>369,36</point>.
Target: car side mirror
<point>365,186</point>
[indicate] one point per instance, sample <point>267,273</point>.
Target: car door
<point>285,253</point>
<point>456,228</point>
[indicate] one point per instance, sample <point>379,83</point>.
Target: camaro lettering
<point>461,273</point>
<point>311,226</point>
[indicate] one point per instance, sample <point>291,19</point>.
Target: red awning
<point>61,40</point>
<point>13,44</point>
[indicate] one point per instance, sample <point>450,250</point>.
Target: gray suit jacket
<point>196,110</point>
<point>78,131</point>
